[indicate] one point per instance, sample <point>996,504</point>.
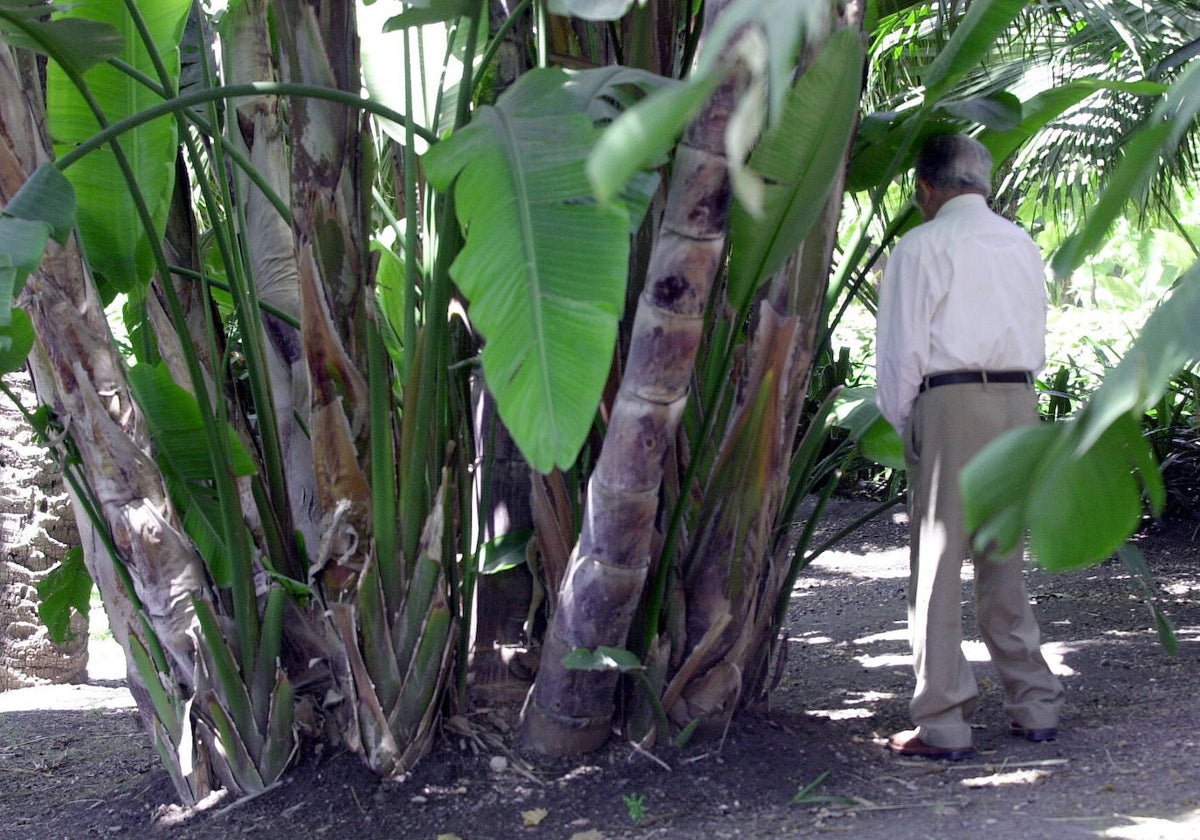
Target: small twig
<point>1005,765</point>
<point>637,748</point>
<point>250,797</point>
<point>354,795</point>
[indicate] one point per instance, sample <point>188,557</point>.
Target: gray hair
<point>955,162</point>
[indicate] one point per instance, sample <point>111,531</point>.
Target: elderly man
<point>962,317</point>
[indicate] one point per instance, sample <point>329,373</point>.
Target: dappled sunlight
<point>857,705</point>
<point>877,565</point>
<point>1183,827</point>
<point>900,634</point>
<point>811,639</point>
<point>1056,654</point>
<point>886,660</point>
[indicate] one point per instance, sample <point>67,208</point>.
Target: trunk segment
<point>567,711</point>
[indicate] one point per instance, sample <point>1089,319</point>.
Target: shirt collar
<point>961,203</point>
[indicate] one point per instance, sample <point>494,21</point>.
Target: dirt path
<point>74,763</point>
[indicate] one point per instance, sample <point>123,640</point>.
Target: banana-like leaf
<point>642,135</point>
<point>799,158</point>
<point>998,482</point>
<point>78,44</point>
<point>544,267</point>
<point>117,244</point>
<point>1085,505</point>
<point>175,425</point>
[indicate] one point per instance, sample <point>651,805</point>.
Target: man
<point>962,318</point>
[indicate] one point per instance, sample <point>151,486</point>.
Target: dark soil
<point>1126,764</point>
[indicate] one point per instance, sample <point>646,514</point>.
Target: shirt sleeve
<point>902,337</point>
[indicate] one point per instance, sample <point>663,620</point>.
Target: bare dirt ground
<point>74,762</point>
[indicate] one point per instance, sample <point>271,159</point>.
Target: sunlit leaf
<point>603,658</point>
<point>1141,159</point>
<point>984,21</point>
<point>799,158</point>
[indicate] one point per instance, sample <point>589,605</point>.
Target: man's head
<point>949,165</point>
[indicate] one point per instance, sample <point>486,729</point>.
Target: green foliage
<point>1077,486</point>
<point>798,159</point>
<point>77,44</point>
<point>549,319</point>
<point>1142,158</point>
<point>124,192</point>
<point>44,207</point>
<point>64,589</point>
<point>635,804</point>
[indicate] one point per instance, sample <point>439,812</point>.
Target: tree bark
<point>570,711</point>
<point>36,529</point>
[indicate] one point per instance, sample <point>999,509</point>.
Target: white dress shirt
<point>964,291</point>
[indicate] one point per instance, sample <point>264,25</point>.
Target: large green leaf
<point>642,135</point>
<point>116,242</point>
<point>1086,504</point>
<point>78,44</point>
<point>798,158</point>
<point>544,266</point>
<point>998,481</point>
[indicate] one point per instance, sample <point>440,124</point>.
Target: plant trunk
<point>75,361</point>
<point>570,711</point>
<point>740,562</point>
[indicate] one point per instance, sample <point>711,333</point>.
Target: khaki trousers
<point>950,424</point>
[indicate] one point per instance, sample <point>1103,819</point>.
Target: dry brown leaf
<point>529,819</point>
<point>591,834</point>
<point>448,837</point>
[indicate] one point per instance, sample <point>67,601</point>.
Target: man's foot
<point>1037,736</point>
<point>907,744</point>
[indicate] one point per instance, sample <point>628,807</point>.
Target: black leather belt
<point>966,376</point>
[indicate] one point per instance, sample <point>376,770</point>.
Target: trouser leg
<point>1034,695</point>
<point>946,692</point>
